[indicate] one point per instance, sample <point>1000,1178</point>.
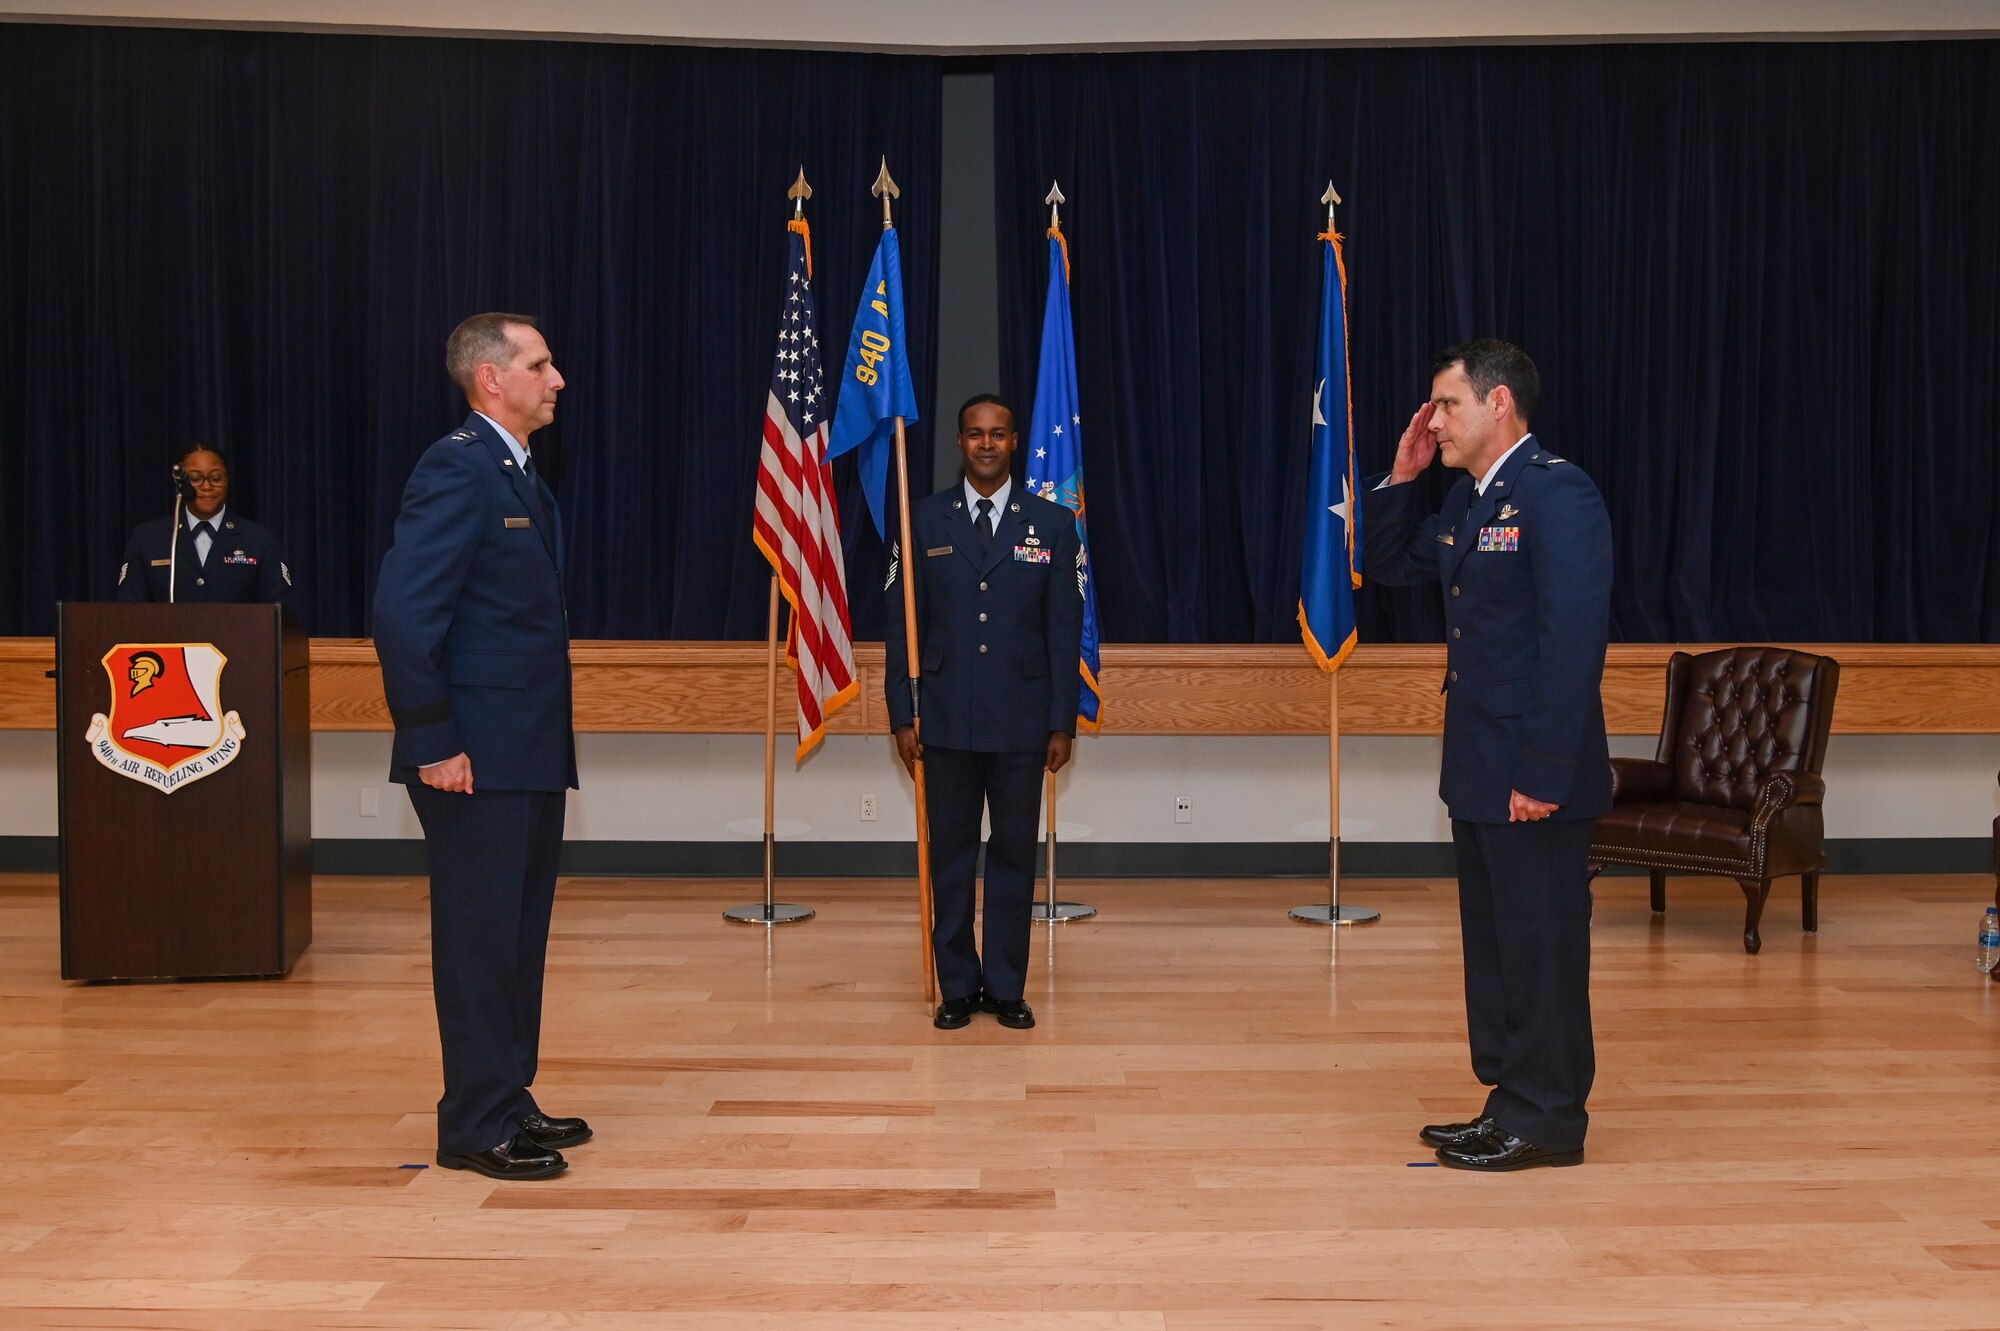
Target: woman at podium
<point>220,556</point>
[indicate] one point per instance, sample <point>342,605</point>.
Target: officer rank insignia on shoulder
<point>1028,554</point>
<point>463,434</point>
<point>1500,539</point>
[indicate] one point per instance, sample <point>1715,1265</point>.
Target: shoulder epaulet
<point>1545,458</point>
<point>463,434</point>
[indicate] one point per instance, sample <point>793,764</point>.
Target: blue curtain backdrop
<point>260,240</point>
<point>1760,281</point>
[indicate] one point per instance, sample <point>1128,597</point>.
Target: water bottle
<point>1989,939</point>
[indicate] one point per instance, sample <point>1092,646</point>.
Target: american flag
<point>797,523</point>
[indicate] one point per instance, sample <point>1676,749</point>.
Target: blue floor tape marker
<point>1414,1164</point>
<point>413,1166</point>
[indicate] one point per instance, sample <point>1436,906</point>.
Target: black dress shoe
<point>1499,1151</point>
<point>1012,1012</point>
<point>1451,1134</point>
<point>955,1012</point>
<point>553,1134</point>
<point>518,1158</point>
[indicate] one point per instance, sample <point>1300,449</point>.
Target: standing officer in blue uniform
<point>473,637</point>
<point>999,592</point>
<point>1522,551</point>
<point>222,557</point>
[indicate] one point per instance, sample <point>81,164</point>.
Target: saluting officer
<point>998,577</point>
<point>1522,550</point>
<point>222,557</point>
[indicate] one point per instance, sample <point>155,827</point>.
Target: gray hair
<point>481,340</point>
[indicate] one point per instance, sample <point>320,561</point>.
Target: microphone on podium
<point>182,485</point>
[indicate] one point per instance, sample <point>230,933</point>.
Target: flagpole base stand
<point>777,913</point>
<point>1062,911</point>
<point>1323,914</point>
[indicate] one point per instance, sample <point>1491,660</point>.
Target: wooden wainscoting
<point>1150,688</point>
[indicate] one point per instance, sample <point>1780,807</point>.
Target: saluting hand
<point>451,774</point>
<point>1416,448</point>
<point>1521,809</point>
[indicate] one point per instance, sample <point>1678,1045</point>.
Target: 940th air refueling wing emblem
<point>166,726</point>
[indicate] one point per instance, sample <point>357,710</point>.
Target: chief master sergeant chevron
<point>1522,551</point>
<point>998,577</point>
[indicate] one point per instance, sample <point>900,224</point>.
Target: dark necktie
<point>542,491</point>
<point>201,528</point>
<point>983,524</point>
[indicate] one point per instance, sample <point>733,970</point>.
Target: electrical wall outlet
<point>1183,808</point>
<point>370,806</point>
<point>868,807</point>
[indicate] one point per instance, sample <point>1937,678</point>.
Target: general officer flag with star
<point>875,383</point>
<point>1055,454</point>
<point>1333,504</point>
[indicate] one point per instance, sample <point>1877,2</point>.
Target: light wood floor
<point>1213,1126</point>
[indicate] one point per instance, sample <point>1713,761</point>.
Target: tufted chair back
<point>1743,713</point>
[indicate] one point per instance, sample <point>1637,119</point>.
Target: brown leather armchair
<point>1735,788</point>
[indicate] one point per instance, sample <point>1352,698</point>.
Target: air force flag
<point>1055,455</point>
<point>1333,505</point>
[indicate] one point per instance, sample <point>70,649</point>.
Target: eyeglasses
<point>208,478</point>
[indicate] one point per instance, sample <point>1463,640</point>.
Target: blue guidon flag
<point>1332,568</point>
<point>1055,456</point>
<point>875,382</point>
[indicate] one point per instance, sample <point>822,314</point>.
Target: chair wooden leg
<point>1659,877</point>
<point>1755,890</point>
<point>1809,901</point>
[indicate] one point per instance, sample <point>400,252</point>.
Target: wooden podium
<point>184,768</point>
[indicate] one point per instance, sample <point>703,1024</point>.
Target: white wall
<point>709,788</point>
<point>981,25</point>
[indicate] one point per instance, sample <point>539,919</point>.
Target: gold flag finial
<point>1331,197</point>
<point>885,189</point>
<point>799,193</point>
<point>1055,201</point>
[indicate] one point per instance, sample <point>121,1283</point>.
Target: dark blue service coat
<point>470,624</point>
<point>244,564</point>
<point>1526,573</point>
<point>999,632</point>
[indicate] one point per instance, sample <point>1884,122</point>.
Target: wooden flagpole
<point>885,189</point>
